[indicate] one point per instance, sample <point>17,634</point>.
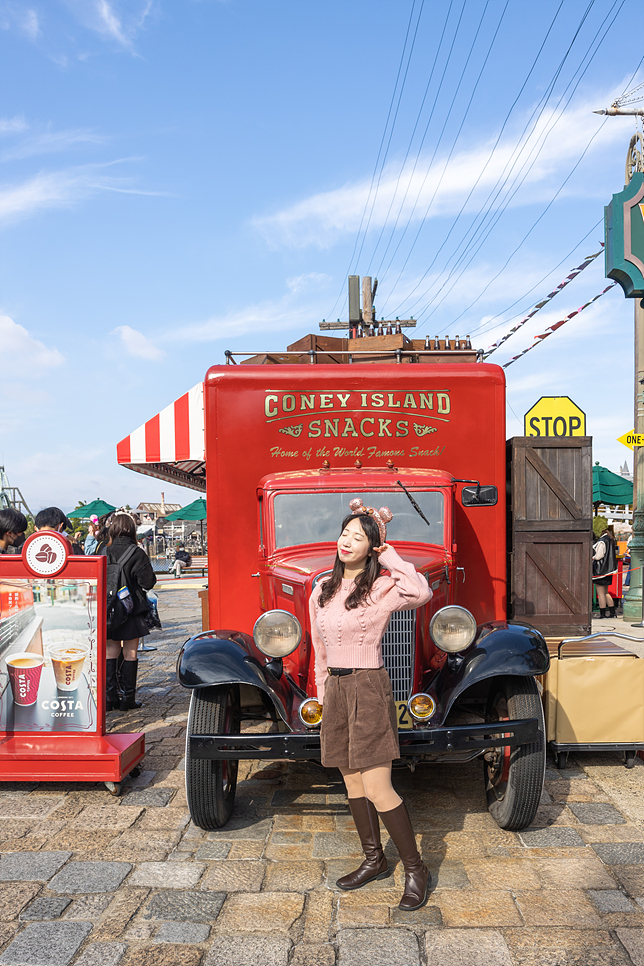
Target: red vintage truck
<point>288,440</point>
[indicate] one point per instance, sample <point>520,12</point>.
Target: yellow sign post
<point>554,416</point>
<point>632,439</point>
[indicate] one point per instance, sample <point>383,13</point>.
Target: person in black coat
<point>604,569</point>
<point>139,577</point>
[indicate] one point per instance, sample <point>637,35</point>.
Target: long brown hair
<point>122,525</point>
<point>365,580</point>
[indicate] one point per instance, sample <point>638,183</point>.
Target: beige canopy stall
<point>170,446</point>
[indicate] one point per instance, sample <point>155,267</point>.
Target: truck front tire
<point>514,777</point>
<point>211,785</point>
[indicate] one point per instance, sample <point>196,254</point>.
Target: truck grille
<point>398,649</point>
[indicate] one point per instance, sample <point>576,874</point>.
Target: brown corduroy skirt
<point>359,726</point>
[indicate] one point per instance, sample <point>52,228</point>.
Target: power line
<point>455,141</point>
<point>391,133</point>
<point>488,322</point>
<point>418,116</point>
<point>477,225</point>
<point>546,135</point>
<point>382,141</point>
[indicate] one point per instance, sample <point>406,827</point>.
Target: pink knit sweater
<point>353,638</point>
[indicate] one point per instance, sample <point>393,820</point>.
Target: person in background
<point>181,559</point>
<point>139,577</point>
<point>101,531</point>
<point>77,544</point>
<point>90,540</point>
<point>52,518</point>
<point>604,569</point>
<point>13,524</point>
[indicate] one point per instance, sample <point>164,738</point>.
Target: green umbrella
<point>97,507</point>
<point>194,511</point>
<point>610,488</point>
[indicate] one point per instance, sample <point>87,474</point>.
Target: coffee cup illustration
<point>67,659</point>
<point>24,670</point>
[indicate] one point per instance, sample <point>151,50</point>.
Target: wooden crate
<point>550,580</point>
<point>551,483</point>
<point>322,344</point>
<point>383,346</point>
<point>446,354</point>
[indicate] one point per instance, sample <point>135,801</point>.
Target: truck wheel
<point>514,776</point>
<point>211,785</point>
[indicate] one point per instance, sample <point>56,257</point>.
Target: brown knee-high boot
<point>417,876</point>
<point>375,865</point>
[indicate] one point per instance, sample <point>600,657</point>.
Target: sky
<point>182,178</point>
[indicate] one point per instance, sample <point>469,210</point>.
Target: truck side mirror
<point>479,495</point>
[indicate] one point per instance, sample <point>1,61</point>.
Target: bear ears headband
<point>381,516</point>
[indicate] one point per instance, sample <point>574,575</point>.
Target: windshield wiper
<point>413,503</point>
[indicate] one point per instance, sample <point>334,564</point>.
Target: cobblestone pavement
<point>94,880</point>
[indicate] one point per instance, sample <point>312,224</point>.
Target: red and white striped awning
<point>171,445</point>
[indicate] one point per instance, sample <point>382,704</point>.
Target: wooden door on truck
<point>550,532</point>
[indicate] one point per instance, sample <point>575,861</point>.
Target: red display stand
<point>52,669</point>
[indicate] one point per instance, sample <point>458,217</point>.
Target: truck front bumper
<point>428,741</point>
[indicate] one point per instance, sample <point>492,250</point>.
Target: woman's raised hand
<point>381,549</point>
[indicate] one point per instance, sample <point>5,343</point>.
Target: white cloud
<point>20,349</point>
<point>325,217</point>
<point>118,21</point>
<point>137,344</point>
<point>30,25</point>
<point>49,142</point>
<point>299,283</point>
<point>21,18</point>
<point>12,125</point>
<point>301,307</point>
<point>57,189</point>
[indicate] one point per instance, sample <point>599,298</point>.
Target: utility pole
<point>634,600</point>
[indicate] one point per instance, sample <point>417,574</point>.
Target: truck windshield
<point>302,518</point>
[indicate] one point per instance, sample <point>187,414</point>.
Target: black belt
<point>339,672</point>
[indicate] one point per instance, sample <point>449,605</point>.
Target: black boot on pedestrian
<point>128,677</point>
<point>112,696</point>
<point>119,669</point>
<point>602,613</point>
<point>611,612</point>
<point>417,875</point>
<point>375,865</point>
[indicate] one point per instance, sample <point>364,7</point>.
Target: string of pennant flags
<point>557,325</point>
<point>575,272</point>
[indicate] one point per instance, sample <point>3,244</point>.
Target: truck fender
<point>207,661</point>
<point>500,649</point>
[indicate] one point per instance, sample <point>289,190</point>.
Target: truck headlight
<point>277,633</point>
<point>452,629</point>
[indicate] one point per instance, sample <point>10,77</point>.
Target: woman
<point>604,569</point>
<point>138,577</point>
<point>91,540</point>
<point>349,613</point>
